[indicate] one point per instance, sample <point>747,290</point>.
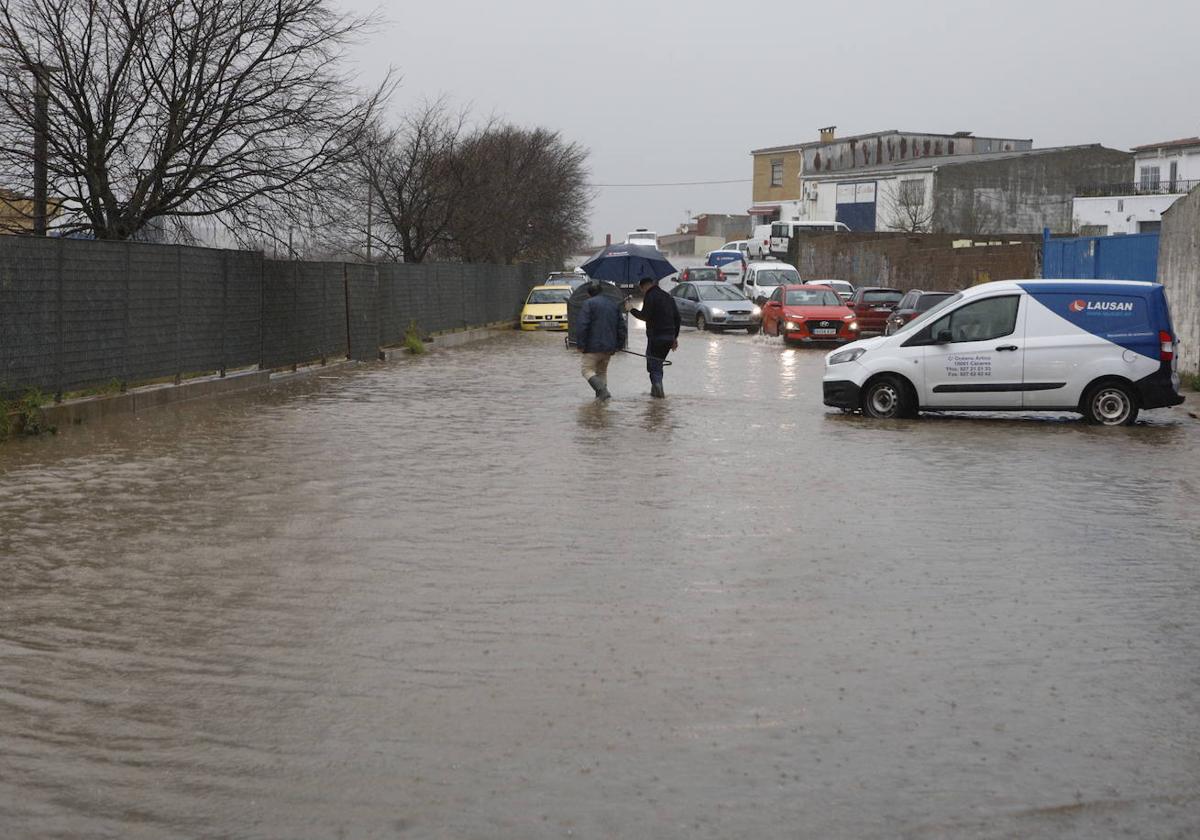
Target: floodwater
<point>449,597</point>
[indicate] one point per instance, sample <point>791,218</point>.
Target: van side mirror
<point>944,337</point>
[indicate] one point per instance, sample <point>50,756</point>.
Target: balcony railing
<point>1160,187</point>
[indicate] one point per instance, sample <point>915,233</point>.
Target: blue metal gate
<point>1130,257</point>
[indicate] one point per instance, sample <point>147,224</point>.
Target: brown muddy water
<point>450,598</point>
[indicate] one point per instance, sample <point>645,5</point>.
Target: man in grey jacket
<point>600,333</point>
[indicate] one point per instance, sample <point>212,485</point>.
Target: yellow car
<point>546,308</point>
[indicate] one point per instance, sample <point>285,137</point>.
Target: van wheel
<point>701,325</point>
<point>1110,404</point>
<point>887,398</point>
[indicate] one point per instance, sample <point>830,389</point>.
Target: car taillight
<point>1167,347</point>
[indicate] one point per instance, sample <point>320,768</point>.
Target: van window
<point>982,320</point>
<point>779,231</point>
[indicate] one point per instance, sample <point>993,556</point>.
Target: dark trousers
<point>657,349</point>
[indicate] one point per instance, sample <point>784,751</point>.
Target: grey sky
<point>681,91</point>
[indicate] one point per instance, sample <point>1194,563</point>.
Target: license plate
<point>548,325</point>
<point>824,332</point>
<point>737,317</point>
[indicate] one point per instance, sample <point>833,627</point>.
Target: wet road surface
<point>450,597</point>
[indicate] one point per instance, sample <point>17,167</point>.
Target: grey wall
<point>80,314</point>
<point>1179,272</point>
<point>1021,194</point>
<point>891,147</point>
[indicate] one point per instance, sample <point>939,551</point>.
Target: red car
<point>808,313</point>
<point>705,273</point>
<point>873,305</point>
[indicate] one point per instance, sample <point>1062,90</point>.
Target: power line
<point>680,183</point>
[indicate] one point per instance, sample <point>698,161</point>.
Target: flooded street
<point>450,597</point>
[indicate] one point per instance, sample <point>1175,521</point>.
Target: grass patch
<point>24,416</point>
<point>412,339</point>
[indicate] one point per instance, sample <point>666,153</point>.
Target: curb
<point>84,409</point>
<point>76,412</point>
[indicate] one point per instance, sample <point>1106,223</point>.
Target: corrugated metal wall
<point>1132,257</point>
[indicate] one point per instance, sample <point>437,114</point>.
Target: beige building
<point>16,212</point>
<point>780,172</point>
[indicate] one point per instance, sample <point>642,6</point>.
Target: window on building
<point>1149,178</point>
<point>912,193</point>
<point>1174,178</point>
<point>1093,230</point>
<point>1149,227</point>
<point>776,173</point>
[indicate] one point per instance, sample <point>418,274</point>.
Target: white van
<point>759,243</point>
<point>762,278</point>
<point>1103,348</point>
<point>783,232</point>
<point>641,236</point>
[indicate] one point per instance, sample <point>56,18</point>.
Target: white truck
<point>641,236</point>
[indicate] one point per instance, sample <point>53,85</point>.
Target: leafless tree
<point>905,206</point>
<point>412,183</point>
<point>524,196</point>
<point>163,111</point>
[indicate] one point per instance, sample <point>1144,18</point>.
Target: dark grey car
<point>716,306</point>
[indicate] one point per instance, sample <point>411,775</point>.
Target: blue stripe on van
<point>720,258</point>
<point>1127,314</point>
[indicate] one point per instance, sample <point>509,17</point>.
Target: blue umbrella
<point>626,264</point>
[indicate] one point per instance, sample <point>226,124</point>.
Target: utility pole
<point>41,143</point>
<point>370,208</point>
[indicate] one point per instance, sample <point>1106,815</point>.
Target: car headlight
<point>791,325</point>
<point>717,313</point>
<point>528,318</point>
<point>846,356</point>
<point>854,325</point>
<point>756,311</point>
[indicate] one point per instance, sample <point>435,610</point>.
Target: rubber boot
<point>600,387</point>
<point>656,390</point>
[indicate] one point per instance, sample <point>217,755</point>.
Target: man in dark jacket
<point>601,331</point>
<point>662,330</point>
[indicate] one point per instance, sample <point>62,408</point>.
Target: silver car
<point>716,306</point>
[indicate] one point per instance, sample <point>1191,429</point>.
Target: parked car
<point>571,279</point>
<point>782,234</point>
<point>732,264</point>
<point>716,306</point>
<point>706,274</point>
<point>910,306</point>
<point>1105,349</point>
<point>844,288</point>
<point>762,278</point>
<point>546,308</point>
<point>808,313</point>
<point>742,245</point>
<point>872,305</point>
<point>641,236</point>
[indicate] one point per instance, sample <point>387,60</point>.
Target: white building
<point>1162,174</point>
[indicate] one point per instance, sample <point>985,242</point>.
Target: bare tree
<point>412,182</point>
<point>905,207</point>
<point>167,110</point>
<point>524,196</point>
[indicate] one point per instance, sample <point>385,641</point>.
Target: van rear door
<point>974,355</point>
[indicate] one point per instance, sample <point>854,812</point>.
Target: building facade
<point>783,174</point>
<point>1162,174</point>
<point>990,193</point>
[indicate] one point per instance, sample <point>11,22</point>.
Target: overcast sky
<point>682,91</point>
